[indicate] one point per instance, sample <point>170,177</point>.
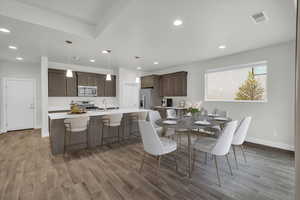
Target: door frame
<point>4,101</point>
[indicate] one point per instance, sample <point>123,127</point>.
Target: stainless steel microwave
<point>87,91</point>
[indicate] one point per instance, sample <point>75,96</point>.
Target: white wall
<point>128,88</point>
<point>273,122</point>
<point>22,70</point>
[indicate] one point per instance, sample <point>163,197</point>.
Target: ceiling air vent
<point>259,17</point>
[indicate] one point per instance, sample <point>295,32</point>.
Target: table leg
<point>189,155</point>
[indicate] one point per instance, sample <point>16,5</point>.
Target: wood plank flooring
<point>29,171</point>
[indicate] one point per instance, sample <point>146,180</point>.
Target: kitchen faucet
<point>105,104</point>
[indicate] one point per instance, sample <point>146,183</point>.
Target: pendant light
<point>108,76</point>
<point>137,79</point>
<point>69,73</point>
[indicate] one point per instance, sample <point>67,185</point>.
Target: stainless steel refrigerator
<point>146,101</point>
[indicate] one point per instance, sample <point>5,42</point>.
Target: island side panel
<point>57,136</point>
<point>95,131</point>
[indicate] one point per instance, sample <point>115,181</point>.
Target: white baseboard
<point>3,131</point>
<point>271,144</point>
<point>45,133</point>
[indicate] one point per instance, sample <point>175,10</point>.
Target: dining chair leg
<point>189,156</point>
<point>158,165</point>
<point>176,163</point>
<point>180,142</point>
<point>216,163</point>
<point>235,158</point>
<point>142,163</point>
<point>194,158</point>
<point>118,135</point>
<point>243,151</point>
<point>229,165</point>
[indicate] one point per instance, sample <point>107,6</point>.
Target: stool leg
<point>118,134</point>
<point>87,139</point>
<point>102,137</point>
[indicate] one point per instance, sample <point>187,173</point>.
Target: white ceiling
<point>88,11</point>
<point>140,27</point>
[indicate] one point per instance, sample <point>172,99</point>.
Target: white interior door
<point>20,104</point>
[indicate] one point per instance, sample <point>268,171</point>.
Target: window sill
<point>235,101</point>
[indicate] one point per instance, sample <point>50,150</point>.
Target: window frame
<point>228,68</point>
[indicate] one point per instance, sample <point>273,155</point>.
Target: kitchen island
<point>57,128</point>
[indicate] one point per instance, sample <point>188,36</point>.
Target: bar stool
<point>112,121</point>
<point>132,121</point>
<point>76,126</point>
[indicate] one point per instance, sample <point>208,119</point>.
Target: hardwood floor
<point>29,171</point>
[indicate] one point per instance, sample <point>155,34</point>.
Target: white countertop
<point>173,107</point>
<point>65,115</point>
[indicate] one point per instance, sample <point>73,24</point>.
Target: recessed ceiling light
<point>138,68</point>
<point>4,30</point>
<point>156,63</point>
<point>12,47</point>
<point>177,22</point>
<point>19,58</point>
<point>92,60</point>
<point>222,47</point>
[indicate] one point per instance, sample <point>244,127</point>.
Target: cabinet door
<point>82,79</point>
<point>147,81</point>
<point>92,81</point>
<point>56,83</point>
<point>100,79</point>
<point>181,85</point>
<point>168,86</point>
<point>72,86</point>
<point>110,87</point>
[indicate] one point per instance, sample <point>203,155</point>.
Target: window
<point>239,83</point>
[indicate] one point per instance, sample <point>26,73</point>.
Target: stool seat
<point>76,125</point>
<point>111,121</point>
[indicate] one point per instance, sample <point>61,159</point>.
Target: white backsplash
<point>176,100</point>
<point>63,103</point>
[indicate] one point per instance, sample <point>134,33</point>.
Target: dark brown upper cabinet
<point>149,81</point>
<point>57,84</point>
<point>100,79</point>
<point>71,86</point>
<point>86,79</point>
<point>110,87</point>
<point>60,86</point>
<point>174,84</point>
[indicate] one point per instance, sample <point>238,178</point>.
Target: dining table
<point>189,126</point>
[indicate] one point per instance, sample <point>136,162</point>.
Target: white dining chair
<point>171,114</point>
<point>153,117</point>
<point>73,126</point>
<point>220,113</point>
<point>240,136</point>
<point>111,121</point>
<point>155,145</point>
<point>217,147</point>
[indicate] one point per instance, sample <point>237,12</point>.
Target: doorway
<point>19,104</point>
